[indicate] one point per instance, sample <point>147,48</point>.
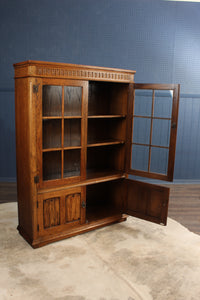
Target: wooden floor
<point>184,205</point>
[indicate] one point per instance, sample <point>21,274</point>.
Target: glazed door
<point>152,130</point>
<point>146,201</point>
<point>61,132</point>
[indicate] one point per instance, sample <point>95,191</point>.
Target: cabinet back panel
<point>72,133</point>
<point>51,134</point>
<point>107,98</point>
<point>106,129</point>
<point>105,158</point>
<point>104,200</point>
<point>51,165</point>
<point>52,100</point>
<point>72,101</point>
<point>72,160</point>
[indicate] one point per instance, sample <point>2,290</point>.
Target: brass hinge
<point>37,227</point>
<point>36,179</point>
<point>35,88</point>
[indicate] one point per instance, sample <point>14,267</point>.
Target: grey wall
<point>158,39</point>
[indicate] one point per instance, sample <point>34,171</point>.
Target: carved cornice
<point>73,72</point>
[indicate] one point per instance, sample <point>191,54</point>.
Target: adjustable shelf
<point>103,175</point>
<point>60,118</point>
<point>104,143</point>
<point>64,148</point>
<point>98,212</point>
<point>106,116</point>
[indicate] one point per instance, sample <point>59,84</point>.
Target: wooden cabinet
<point>81,132</point>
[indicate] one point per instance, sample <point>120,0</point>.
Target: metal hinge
<point>37,227</point>
<point>35,88</point>
<point>36,179</point>
<point>173,125</point>
<point>83,204</point>
<point>37,204</point>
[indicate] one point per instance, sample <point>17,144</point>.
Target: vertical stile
<point>62,135</point>
<point>129,127</point>
<point>84,120</point>
<point>151,130</point>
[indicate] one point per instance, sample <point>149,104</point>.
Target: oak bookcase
<point>81,132</point>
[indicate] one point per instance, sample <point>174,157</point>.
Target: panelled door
<point>152,130</point>
<point>146,201</point>
<point>60,210</point>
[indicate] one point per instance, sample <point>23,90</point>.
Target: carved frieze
<point>69,71</point>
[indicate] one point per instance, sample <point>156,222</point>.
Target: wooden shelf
<point>59,149</point>
<point>60,117</point>
<point>93,174</point>
<point>51,117</point>
<point>104,143</point>
<point>72,148</point>
<point>105,116</point>
<point>72,117</point>
<point>98,212</point>
<point>51,149</point>
<point>93,177</point>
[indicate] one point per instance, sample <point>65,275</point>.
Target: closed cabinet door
<point>58,211</point>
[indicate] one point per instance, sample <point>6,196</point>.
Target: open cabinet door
<point>151,136</point>
<point>152,130</point>
<point>146,201</point>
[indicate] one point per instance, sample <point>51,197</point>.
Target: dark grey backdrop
<point>158,39</point>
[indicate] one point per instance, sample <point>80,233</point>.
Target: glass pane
<point>51,165</point>
<point>52,100</point>
<point>51,134</point>
<point>163,103</point>
<point>159,160</point>
<point>161,132</point>
<point>141,130</point>
<point>143,102</point>
<point>72,133</point>
<point>140,157</point>
<point>72,163</point>
<point>72,100</point>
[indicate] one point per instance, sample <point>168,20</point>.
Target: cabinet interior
<point>62,115</point>
<point>107,98</point>
<point>106,136</point>
<point>104,200</point>
<point>110,160</point>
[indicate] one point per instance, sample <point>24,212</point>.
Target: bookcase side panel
<point>26,155</point>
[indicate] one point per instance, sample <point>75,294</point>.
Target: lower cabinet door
<point>60,210</point>
<point>146,201</point>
